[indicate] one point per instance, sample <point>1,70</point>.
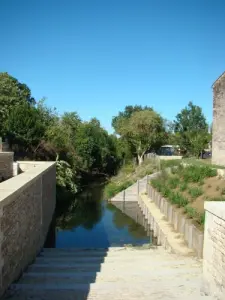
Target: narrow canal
<point>92,222</point>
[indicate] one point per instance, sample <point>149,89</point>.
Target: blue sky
<point>97,56</point>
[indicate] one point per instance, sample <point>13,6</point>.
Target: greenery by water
<point>90,221</point>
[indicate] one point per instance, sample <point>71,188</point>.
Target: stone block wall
<point>27,204</point>
<point>180,222</point>
<point>214,250</point>
<point>218,134</point>
<point>6,165</point>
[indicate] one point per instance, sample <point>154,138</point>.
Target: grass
<point>188,187</point>
<point>195,192</point>
<point>128,175</point>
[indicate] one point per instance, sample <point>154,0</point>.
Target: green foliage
<point>24,126</point>
<point>65,176</point>
<point>192,129</point>
<point>143,130</point>
<point>173,182</point>
<point>183,186</point>
<point>193,214</point>
<point>195,192</point>
<point>172,163</point>
<point>197,173</point>
<point>126,114</point>
<point>114,188</point>
<point>12,94</point>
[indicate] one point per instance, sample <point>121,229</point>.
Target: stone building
<point>218,132</point>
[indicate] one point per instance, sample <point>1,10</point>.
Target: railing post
<point>138,188</point>
<point>124,195</point>
<point>147,184</point>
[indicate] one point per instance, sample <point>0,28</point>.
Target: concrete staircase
<point>114,274</point>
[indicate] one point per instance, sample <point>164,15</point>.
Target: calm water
<point>92,222</point>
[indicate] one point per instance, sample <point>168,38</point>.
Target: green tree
<point>24,127</point>
<point>12,93</point>
<point>144,130</point>
<point>198,141</point>
<point>126,114</point>
<point>191,126</point>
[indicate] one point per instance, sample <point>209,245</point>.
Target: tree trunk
<point>140,159</point>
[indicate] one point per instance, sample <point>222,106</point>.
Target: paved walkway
<point>111,274</point>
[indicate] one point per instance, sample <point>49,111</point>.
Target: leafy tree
<point>191,126</point>
<point>144,130</point>
<point>198,141</point>
<point>12,93</point>
<point>24,127</point>
<point>126,114</point>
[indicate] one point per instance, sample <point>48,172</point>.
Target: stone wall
<point>27,204</point>
<point>214,250</point>
<point>6,165</point>
<point>218,136</point>
<point>180,222</point>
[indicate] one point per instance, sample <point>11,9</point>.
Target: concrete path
<point>110,274</point>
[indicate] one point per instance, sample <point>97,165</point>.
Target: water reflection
<point>92,222</point>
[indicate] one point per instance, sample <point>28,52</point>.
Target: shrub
<point>183,186</point>
<point>170,163</point>
<point>173,182</point>
<point>195,192</point>
<point>114,188</point>
<point>223,191</point>
<point>197,173</point>
<point>178,199</point>
<point>193,214</point>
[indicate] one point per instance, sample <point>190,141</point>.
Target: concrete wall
<point>6,165</point>
<point>214,250</point>
<point>180,222</point>
<point>218,134</point>
<point>27,204</point>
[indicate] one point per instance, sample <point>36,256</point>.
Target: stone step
<point>104,295</point>
<point>103,259</point>
<point>123,276</point>
<point>86,254</point>
<point>111,286</point>
<point>116,266</point>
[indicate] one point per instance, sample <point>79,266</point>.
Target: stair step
<point>76,267</point>
<point>110,276</point>
<point>108,286</point>
<point>97,260</point>
<point>92,295</point>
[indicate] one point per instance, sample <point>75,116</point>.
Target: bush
<point>127,169</point>
<point>170,163</point>
<point>183,187</point>
<point>173,182</point>
<point>195,192</point>
<point>193,214</point>
<point>197,173</point>
<point>114,188</point>
<point>178,199</point>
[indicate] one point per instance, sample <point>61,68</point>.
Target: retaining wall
<point>6,165</point>
<point>180,222</point>
<point>214,250</point>
<point>162,229</point>
<point>27,204</point>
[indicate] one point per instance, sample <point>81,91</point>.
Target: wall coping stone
<point>216,208</point>
<point>17,184</point>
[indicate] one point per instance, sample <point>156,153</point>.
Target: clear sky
<point>97,56</point>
